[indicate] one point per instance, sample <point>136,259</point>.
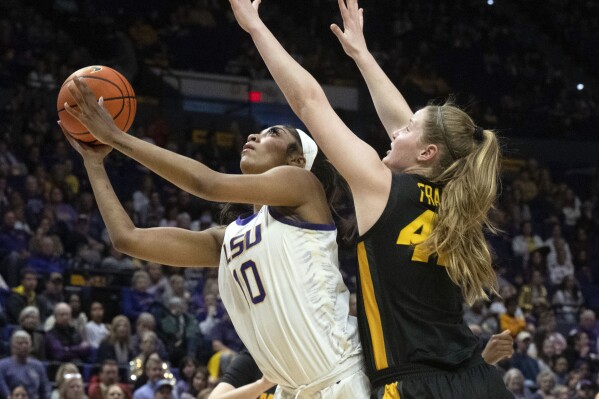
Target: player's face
<point>406,144</point>
<point>266,150</point>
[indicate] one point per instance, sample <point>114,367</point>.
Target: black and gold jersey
<point>410,312</point>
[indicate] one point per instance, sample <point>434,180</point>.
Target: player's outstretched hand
<point>351,36</point>
<point>91,113</point>
<point>88,152</point>
<point>246,13</point>
<point>499,347</point>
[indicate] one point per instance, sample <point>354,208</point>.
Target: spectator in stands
<point>164,389</point>
<point>72,387</point>
<point>118,345</point>
<point>556,236</point>
<point>21,369</point>
<point>588,324</point>
<point>23,296</point>
<point>179,330</point>
<point>546,381</point>
<point>479,315</point>
<point>154,373</point>
<point>13,245</point>
<point>546,351</point>
<point>63,370</point>
<point>52,294</point>
<point>95,329</point>
<point>151,213</point>
<point>64,211</point>
<point>148,344</point>
<point>29,321</point>
<point>176,288</point>
<point>560,392</point>
<point>522,361</point>
<point>567,300</point>
<point>137,299</point>
<point>578,348</point>
<point>533,295</point>
<point>537,261</point>
<point>514,382</point>
<point>147,322</point>
<point>527,186</point>
<point>64,343</point>
<point>199,382</point>
<point>18,392</point>
<point>158,281</point>
<point>210,313</point>
<point>561,368</point>
<point>81,235</point>
<point>78,317</point>
<point>558,265</point>
<point>526,242</point>
<point>108,377</point>
<point>45,259</point>
<point>116,392</point>
<point>584,390</point>
<point>187,369</point>
<point>509,320</point>
<point>548,323</point>
<point>117,260</point>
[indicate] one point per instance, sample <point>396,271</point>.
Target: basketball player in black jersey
<point>420,214</point>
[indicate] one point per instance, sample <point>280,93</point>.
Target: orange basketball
<point>119,100</point>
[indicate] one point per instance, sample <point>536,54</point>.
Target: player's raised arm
<point>369,178</point>
<point>391,107</point>
<point>170,246</point>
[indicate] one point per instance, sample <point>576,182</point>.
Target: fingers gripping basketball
<point>119,99</point>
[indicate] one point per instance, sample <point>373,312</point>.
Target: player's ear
<point>296,159</point>
<point>428,153</point>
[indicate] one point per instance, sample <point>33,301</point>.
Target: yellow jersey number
<point>415,233</point>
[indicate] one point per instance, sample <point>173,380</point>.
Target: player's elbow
<point>124,241</point>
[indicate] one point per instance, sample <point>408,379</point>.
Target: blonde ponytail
<point>468,169</point>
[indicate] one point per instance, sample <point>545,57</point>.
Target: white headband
<point>309,148</point>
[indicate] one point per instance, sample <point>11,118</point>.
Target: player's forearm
<point>391,107</point>
<point>298,85</point>
<point>187,174</point>
<point>118,223</point>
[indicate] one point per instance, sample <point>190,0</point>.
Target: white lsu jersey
<point>279,280</point>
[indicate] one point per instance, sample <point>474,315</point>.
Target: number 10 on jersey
<point>254,289</point>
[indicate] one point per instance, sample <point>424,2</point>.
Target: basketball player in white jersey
<point>279,277</point>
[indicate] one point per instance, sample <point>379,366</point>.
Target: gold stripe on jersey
<point>391,391</point>
<point>371,308</point>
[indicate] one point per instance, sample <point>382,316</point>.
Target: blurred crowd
<point>85,319</point>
